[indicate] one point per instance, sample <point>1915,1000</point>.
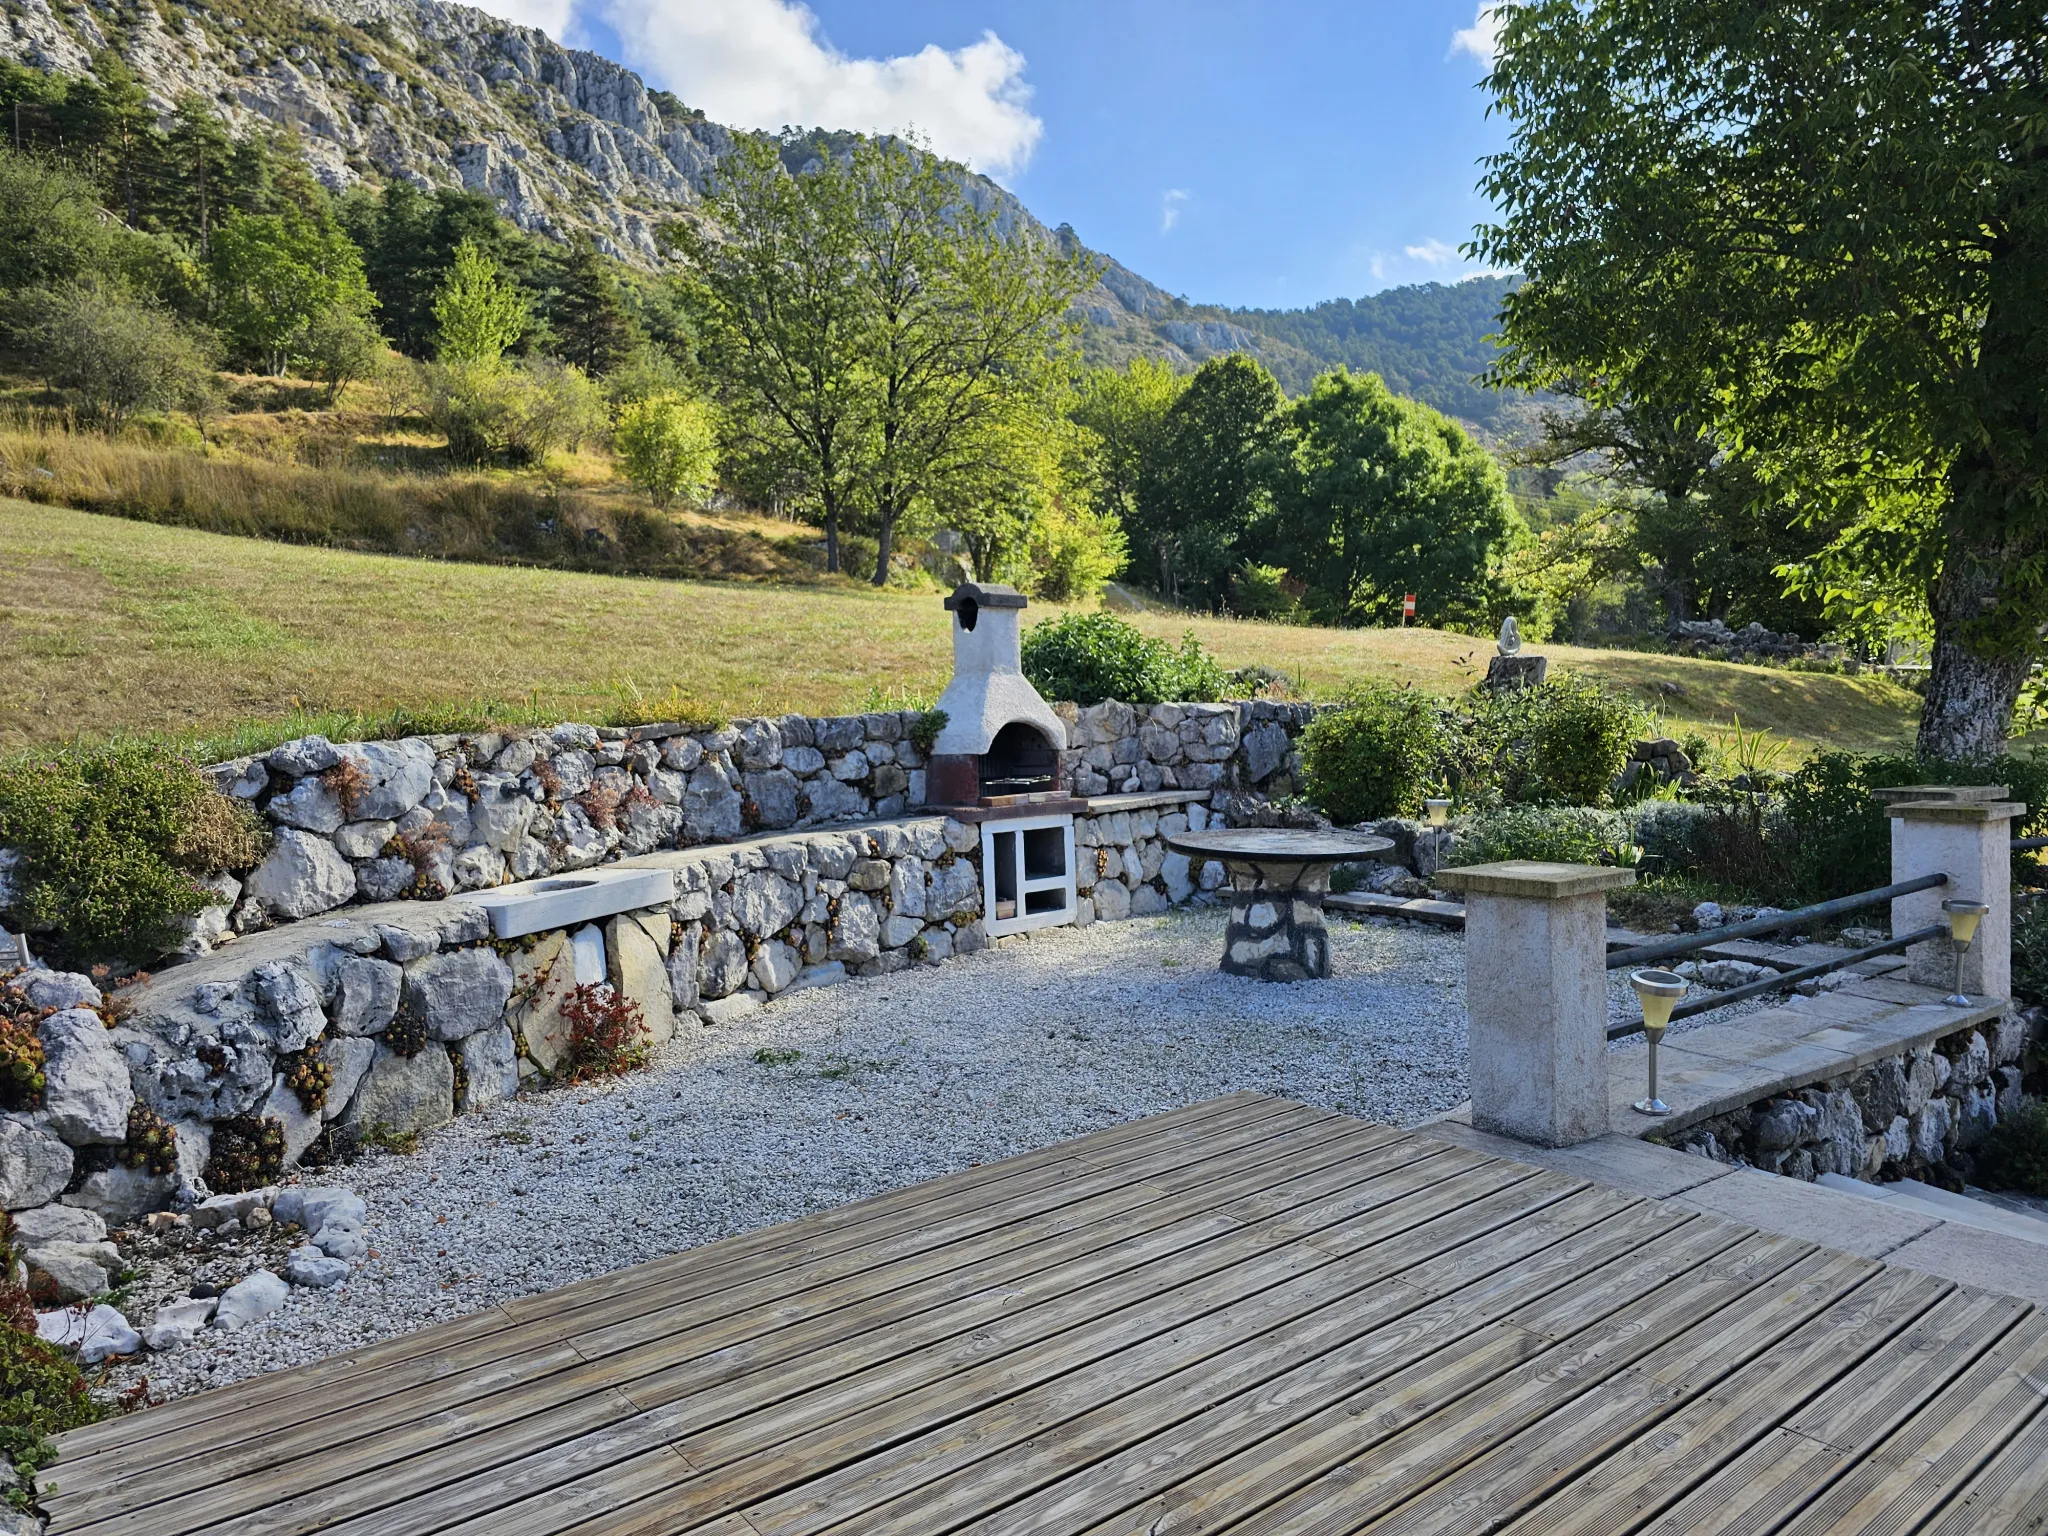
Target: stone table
<point>1278,877</point>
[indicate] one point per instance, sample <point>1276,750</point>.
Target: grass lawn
<point>110,627</point>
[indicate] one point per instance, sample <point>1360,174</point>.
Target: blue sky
<point>1237,153</point>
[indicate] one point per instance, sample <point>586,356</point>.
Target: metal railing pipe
<point>1784,979</point>
<point>1686,943</point>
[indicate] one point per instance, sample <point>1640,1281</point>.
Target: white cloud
<point>1435,252</point>
<point>1170,204</point>
<point>553,17</point>
<point>767,63</point>
<point>1482,38</point>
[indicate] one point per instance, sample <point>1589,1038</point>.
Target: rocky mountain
<point>565,139</point>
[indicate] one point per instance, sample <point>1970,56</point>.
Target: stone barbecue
<point>1001,745</point>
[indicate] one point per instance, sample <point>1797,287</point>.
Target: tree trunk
<point>884,538</point>
<point>1970,695</point>
<point>831,534</point>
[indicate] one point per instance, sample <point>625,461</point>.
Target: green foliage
<point>591,326</point>
<point>1838,840</point>
<point>2015,1154</point>
<point>41,1394</point>
<point>1559,834</point>
<point>1124,411</point>
<point>1375,755</point>
<point>246,1153</point>
<point>519,412</point>
<point>119,355</point>
<point>669,447</point>
<point>1376,496</point>
<point>152,1144</point>
<point>477,314</point>
<point>1263,592</point>
<point>1821,226</point>
<point>1086,658</point>
<point>2030,951</point>
<point>54,233</point>
<point>103,835</point>
<point>340,346</point>
<point>409,241</point>
<point>924,730</point>
<point>1563,743</point>
<point>1209,479</point>
<point>276,275</point>
<point>22,1063</point>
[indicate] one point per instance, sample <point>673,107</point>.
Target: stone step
<point>1445,914</point>
<point>1927,1200</point>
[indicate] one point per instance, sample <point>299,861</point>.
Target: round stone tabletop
<point>1279,845</point>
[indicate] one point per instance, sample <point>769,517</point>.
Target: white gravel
<point>900,1078</point>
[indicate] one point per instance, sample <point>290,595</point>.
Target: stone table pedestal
<point>1278,878</point>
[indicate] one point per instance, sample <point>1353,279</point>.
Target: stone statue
<point>1510,636</point>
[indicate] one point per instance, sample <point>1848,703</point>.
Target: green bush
<point>2015,1154</point>
<point>1089,657</point>
<point>1375,755</point>
<point>1563,743</point>
<point>1836,840</point>
<point>669,447</point>
<point>1557,834</point>
<point>2030,951</point>
<point>41,1394</point>
<point>110,842</point>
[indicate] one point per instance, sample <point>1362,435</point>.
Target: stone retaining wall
<point>1916,1115</point>
<point>433,816</point>
<point>378,1022</point>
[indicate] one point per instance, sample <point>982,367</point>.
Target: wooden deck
<point>1244,1316</point>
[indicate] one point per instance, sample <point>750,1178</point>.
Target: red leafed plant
<point>607,1034</point>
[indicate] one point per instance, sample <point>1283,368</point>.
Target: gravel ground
<point>833,1095</point>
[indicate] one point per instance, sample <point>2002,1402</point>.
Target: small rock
<point>248,1300</point>
<point>310,1267</point>
<point>178,1323</point>
<point>95,1332</point>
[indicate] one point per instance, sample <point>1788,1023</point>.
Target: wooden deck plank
<point>1342,1146</point>
<point>836,1390</point>
<point>852,1221</point>
<point>851,1249</point>
<point>1246,1316</point>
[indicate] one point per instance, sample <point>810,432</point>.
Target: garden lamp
<point>1439,811</point>
<point>1963,918</point>
<point>1657,991</point>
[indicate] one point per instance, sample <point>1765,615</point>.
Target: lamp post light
<point>1657,991</point>
<point>1963,918</point>
<point>1439,813</point>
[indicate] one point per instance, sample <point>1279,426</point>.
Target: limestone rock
<point>543,979</point>
<point>899,931</point>
<point>57,989</point>
<point>723,967</point>
<point>682,967</point>
<point>86,1096</point>
<point>400,773</point>
<point>366,995</point>
<point>1112,900</point>
<point>364,839</point>
<point>310,806</point>
<point>287,999</point>
<point>308,754</point>
<point>178,1323</point>
<point>490,1068</point>
<point>459,992</point>
<point>95,1333</point>
<point>34,1165</point>
<point>301,1125</point>
<point>857,930</point>
<point>403,1095</point>
<point>301,876</point>
<point>777,797</point>
<point>121,1194</point>
<point>348,1058</point>
<point>775,966</point>
<point>70,1271</point>
<point>764,903</point>
<point>728,1010</point>
<point>250,1300</point>
<point>309,1267</point>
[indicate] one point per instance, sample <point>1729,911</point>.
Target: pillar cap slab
<point>1534,880</point>
<point>1900,794</point>
<point>1957,810</point>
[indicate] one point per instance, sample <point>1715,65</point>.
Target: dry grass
<point>112,627</point>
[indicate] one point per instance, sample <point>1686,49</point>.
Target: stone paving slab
<point>1774,1204</point>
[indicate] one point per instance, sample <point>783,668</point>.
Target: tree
<point>1376,497</point>
<point>477,314</point>
<point>274,273</point>
<point>53,230</point>
<point>1836,215</point>
<point>592,329</point>
<point>869,321</point>
<point>1210,480</point>
<point>118,353</point>
<point>669,446</point>
<point>773,295</point>
<point>1126,410</point>
<point>192,181</point>
<point>341,345</point>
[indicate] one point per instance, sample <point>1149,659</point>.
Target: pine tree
<point>591,324</point>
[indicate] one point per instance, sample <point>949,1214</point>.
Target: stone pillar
<point>1276,930</point>
<point>1536,996</point>
<point>1966,835</point>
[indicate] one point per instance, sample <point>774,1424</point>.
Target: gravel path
<point>833,1095</point>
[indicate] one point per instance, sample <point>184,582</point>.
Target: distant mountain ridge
<point>565,139</point>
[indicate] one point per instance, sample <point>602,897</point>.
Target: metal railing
<point>1777,922</point>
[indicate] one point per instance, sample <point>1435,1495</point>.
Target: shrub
<point>1563,743</point>
<point>340,347</point>
<point>1089,657</point>
<point>110,840</point>
<point>1073,550</point>
<point>924,730</point>
<point>668,446</point>
<point>41,1394</point>
<point>1559,834</point>
<point>1670,833</point>
<point>2030,951</point>
<point>2015,1154</point>
<point>1375,755</point>
<point>119,355</point>
<point>520,413</point>
<point>607,1036</point>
